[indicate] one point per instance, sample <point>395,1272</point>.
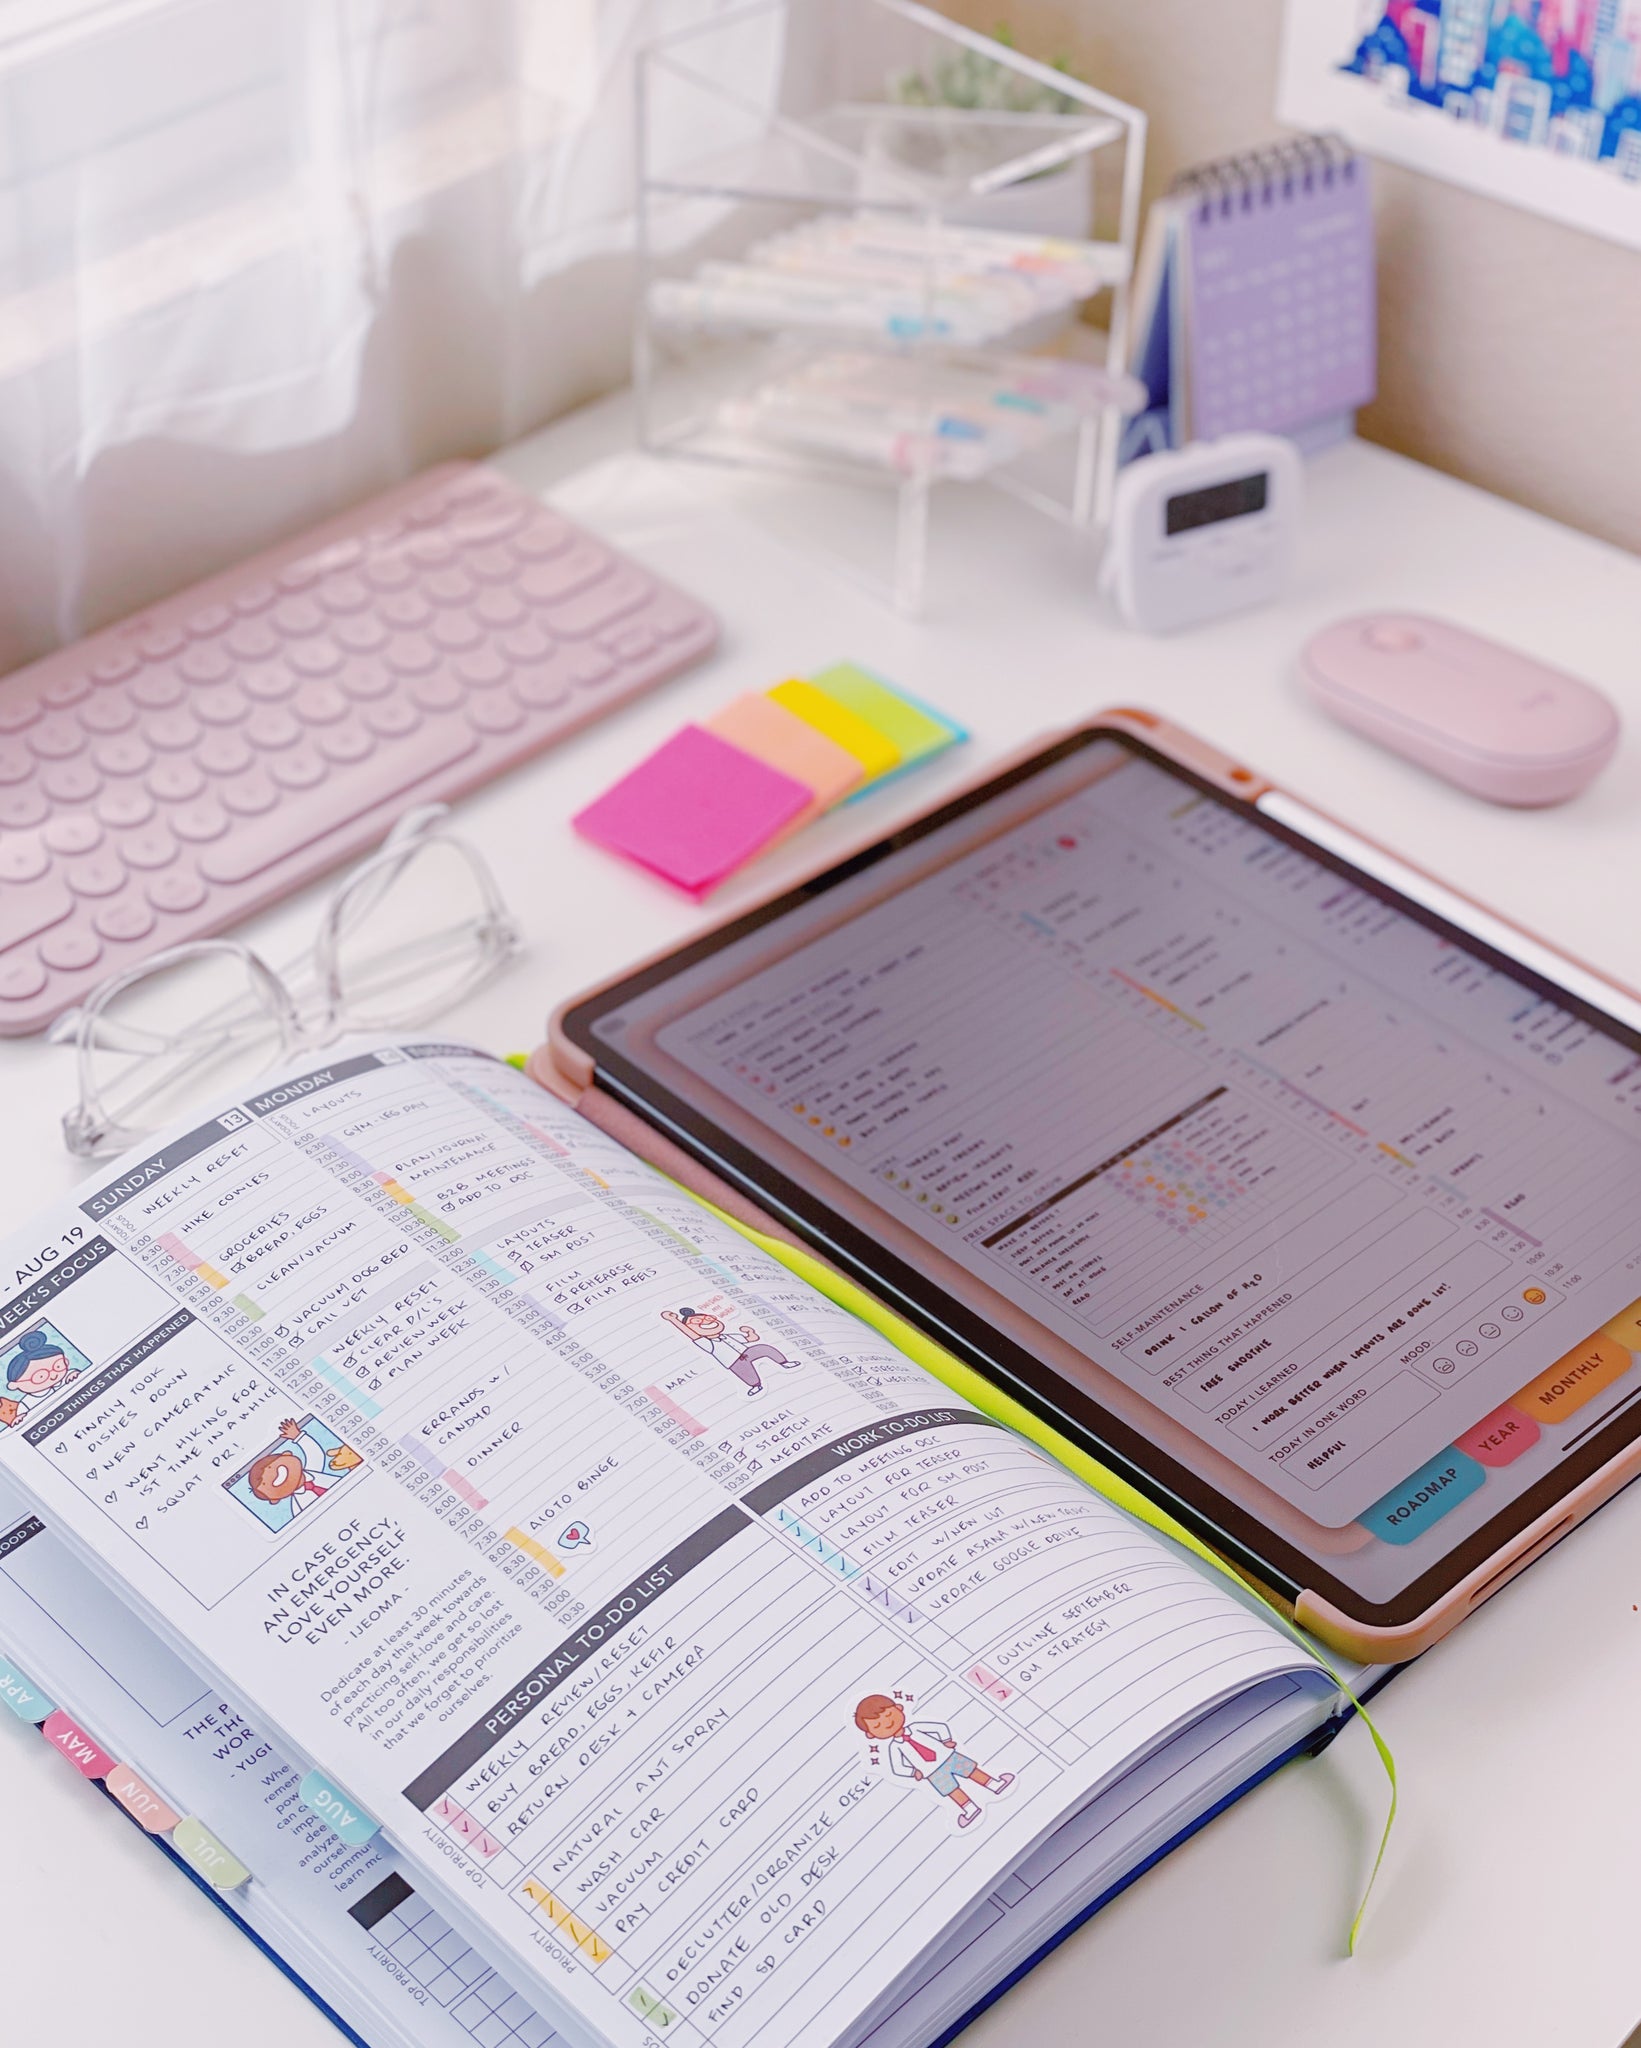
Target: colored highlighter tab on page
<point>874,750</point>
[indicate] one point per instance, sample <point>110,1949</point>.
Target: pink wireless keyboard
<point>176,772</point>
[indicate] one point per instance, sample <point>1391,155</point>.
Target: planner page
<point>699,1658</point>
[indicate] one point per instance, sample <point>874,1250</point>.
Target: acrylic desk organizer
<point>845,279</point>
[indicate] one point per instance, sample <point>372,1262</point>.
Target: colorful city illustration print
<point>294,1473</point>
<point>35,1364</point>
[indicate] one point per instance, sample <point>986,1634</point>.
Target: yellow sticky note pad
<point>876,753</point>
<point>917,732</point>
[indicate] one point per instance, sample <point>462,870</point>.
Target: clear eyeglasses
<point>413,929</point>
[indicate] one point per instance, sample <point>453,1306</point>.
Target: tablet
<point>1300,1190</point>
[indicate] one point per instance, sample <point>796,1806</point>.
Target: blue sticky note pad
<point>695,810</point>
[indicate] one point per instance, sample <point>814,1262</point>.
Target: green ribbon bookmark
<point>980,1393</point>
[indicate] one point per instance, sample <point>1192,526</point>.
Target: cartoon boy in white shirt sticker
<point>928,1751</point>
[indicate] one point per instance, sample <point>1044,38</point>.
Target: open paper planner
<point>538,1612</point>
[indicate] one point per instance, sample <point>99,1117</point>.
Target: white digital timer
<point>1201,531</point>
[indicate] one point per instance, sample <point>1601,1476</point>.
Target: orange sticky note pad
<point>876,754</point>
<point>792,746</point>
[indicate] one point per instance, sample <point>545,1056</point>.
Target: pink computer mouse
<point>1491,719</point>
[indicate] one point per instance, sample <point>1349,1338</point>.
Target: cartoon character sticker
<point>926,1750</point>
<point>293,1474</point>
<point>739,1350</point>
<point>34,1366</point>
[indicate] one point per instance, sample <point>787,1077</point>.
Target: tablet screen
<point>1248,1161</point>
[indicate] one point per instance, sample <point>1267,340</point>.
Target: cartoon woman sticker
<point>926,1750</point>
<point>740,1354</point>
<point>40,1362</point>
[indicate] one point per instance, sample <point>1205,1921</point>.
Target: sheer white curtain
<point>261,257</point>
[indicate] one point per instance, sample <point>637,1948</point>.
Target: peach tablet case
<point>568,1072</point>
<point>1482,715</point>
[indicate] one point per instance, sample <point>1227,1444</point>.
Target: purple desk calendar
<point>1279,299</point>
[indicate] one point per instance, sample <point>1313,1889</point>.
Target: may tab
<point>337,1810</point>
<point>76,1745</point>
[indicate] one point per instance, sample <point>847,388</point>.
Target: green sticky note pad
<point>916,730</point>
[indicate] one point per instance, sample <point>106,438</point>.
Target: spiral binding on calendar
<point>1262,176</point>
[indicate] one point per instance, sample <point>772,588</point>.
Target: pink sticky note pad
<point>694,811</point>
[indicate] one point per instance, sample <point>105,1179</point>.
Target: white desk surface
<point>1507,1909</point>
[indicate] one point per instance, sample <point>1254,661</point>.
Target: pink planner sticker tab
<point>77,1746</point>
<point>141,1801</point>
<point>694,811</point>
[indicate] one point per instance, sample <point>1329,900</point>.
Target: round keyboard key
<point>361,635</point>
<point>432,549</point>
<point>547,534</point>
<point>483,668</point>
<point>116,665</point>
<point>221,704</point>
<point>253,640</point>
<point>450,586</point>
<point>72,832</point>
<point>489,564</point>
<point>671,619</point>
<point>128,919</point>
<point>199,822</point>
<point>209,662</point>
<point>268,683</point>
<point>456,632</point>
<point>346,743</point>
<point>224,753</point>
<point>489,520</point>
<point>57,739</point>
<point>209,620</point>
<point>495,713</point>
<point>302,574</point>
<point>629,643</point>
<point>271,726</point>
<point>388,570</point>
<point>152,847</point>
<point>176,781</point>
<point>99,874</point>
<point>16,762</point>
<point>319,704</point>
<point>410,654</point>
<point>248,796</point>
<point>71,951</point>
<point>172,730</point>
<point>295,615</point>
<point>109,711</point>
<point>18,708</point>
<point>527,643</point>
<point>254,597</point>
<point>69,688</point>
<point>158,689</point>
<point>70,782</point>
<point>182,890</point>
<point>392,718</point>
<point>438,692</point>
<point>128,805</point>
<point>23,806</point>
<point>499,607</point>
<point>337,555</point>
<point>23,858</point>
<point>160,643</point>
<point>365,680</point>
<point>545,687</point>
<point>405,609</point>
<point>126,755</point>
<point>21,976</point>
<point>344,594</point>
<point>301,768</point>
<point>316,657</point>
<point>588,668</point>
